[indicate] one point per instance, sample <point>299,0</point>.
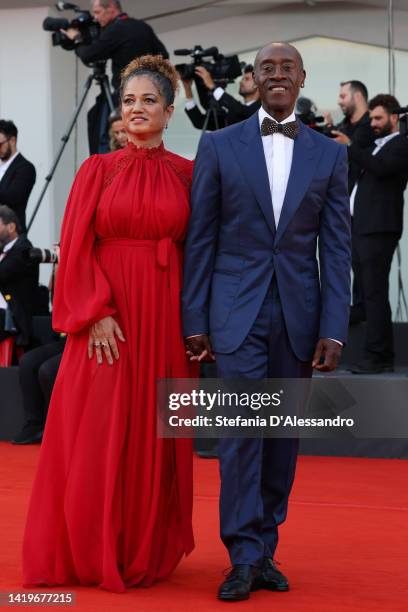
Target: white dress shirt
<point>5,165</point>
<point>9,245</point>
<point>380,142</point>
<point>278,150</point>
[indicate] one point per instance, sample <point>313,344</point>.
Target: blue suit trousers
<point>257,474</point>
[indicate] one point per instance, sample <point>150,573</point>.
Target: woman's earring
<point>302,85</point>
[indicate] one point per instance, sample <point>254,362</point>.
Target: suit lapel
<point>304,161</point>
<point>10,168</point>
<point>250,154</point>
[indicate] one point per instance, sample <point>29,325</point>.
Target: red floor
<point>344,546</point>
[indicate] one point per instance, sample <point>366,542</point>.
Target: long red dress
<point>111,503</point>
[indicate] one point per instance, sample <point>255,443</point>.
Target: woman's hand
<point>102,339</point>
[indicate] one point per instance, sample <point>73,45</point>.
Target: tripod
<point>211,111</point>
<point>99,76</point>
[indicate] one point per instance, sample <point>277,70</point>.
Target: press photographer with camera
<point>377,203</point>
<point>236,110</point>
<point>221,70</point>
<point>38,368</point>
<point>121,39</point>
<point>18,280</point>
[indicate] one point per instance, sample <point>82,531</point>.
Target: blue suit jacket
<point>233,248</point>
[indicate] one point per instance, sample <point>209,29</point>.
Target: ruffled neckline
<point>145,152</point>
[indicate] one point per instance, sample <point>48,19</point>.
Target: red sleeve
<point>82,292</point>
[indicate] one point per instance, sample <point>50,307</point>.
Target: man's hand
<point>205,76</point>
<point>328,119</point>
<point>341,138</point>
<point>188,87</point>
<point>330,352</point>
<point>199,348</point>
<point>71,33</point>
<point>102,338</point>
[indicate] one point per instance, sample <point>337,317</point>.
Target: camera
<point>403,120</point>
<point>84,22</point>
<point>37,255</point>
<point>222,68</point>
<point>306,112</point>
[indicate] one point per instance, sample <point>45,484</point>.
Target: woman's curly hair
<point>160,70</point>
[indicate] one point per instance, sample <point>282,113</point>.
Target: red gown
<point>111,503</point>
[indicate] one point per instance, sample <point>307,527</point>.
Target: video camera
<point>223,68</point>
<point>403,120</point>
<point>84,22</point>
<point>306,112</point>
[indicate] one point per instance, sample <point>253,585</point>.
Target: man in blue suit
<point>265,192</point>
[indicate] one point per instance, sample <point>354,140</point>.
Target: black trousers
<point>37,372</point>
<point>371,260</point>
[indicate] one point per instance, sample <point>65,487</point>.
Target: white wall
<point>38,91</point>
<point>25,98</point>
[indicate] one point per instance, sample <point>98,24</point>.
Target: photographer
<point>356,125</point>
<point>377,202</point>
<point>122,38</point>
<point>234,111</point>
<point>18,278</point>
<point>38,370</point>
<point>17,174</point>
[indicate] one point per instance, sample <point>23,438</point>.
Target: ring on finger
<point>104,344</point>
<point>97,344</point>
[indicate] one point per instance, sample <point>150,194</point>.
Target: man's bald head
<point>281,47</point>
<point>279,74</point>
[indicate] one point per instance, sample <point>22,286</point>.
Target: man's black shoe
<point>239,583</point>
<point>29,436</point>
<point>367,366</point>
<point>271,578</point>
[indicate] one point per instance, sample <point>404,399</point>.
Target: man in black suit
<point>18,278</point>
<point>17,174</point>
<point>377,202</point>
<point>353,101</point>
<point>230,109</point>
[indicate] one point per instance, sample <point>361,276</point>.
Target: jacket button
<point>276,251</point>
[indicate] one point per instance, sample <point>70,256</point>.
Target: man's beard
<point>245,93</point>
<point>386,130</point>
<point>349,111</point>
<point>6,155</point>
<point>4,239</point>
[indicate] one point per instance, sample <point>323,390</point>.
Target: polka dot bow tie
<point>290,129</point>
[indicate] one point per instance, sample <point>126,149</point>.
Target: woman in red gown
<point>111,503</point>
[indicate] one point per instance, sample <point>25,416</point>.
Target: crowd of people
<point>138,196</point>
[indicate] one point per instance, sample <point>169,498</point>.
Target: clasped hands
<point>102,340</point>
<point>325,359</point>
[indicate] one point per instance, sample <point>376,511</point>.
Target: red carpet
<point>344,546</point>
